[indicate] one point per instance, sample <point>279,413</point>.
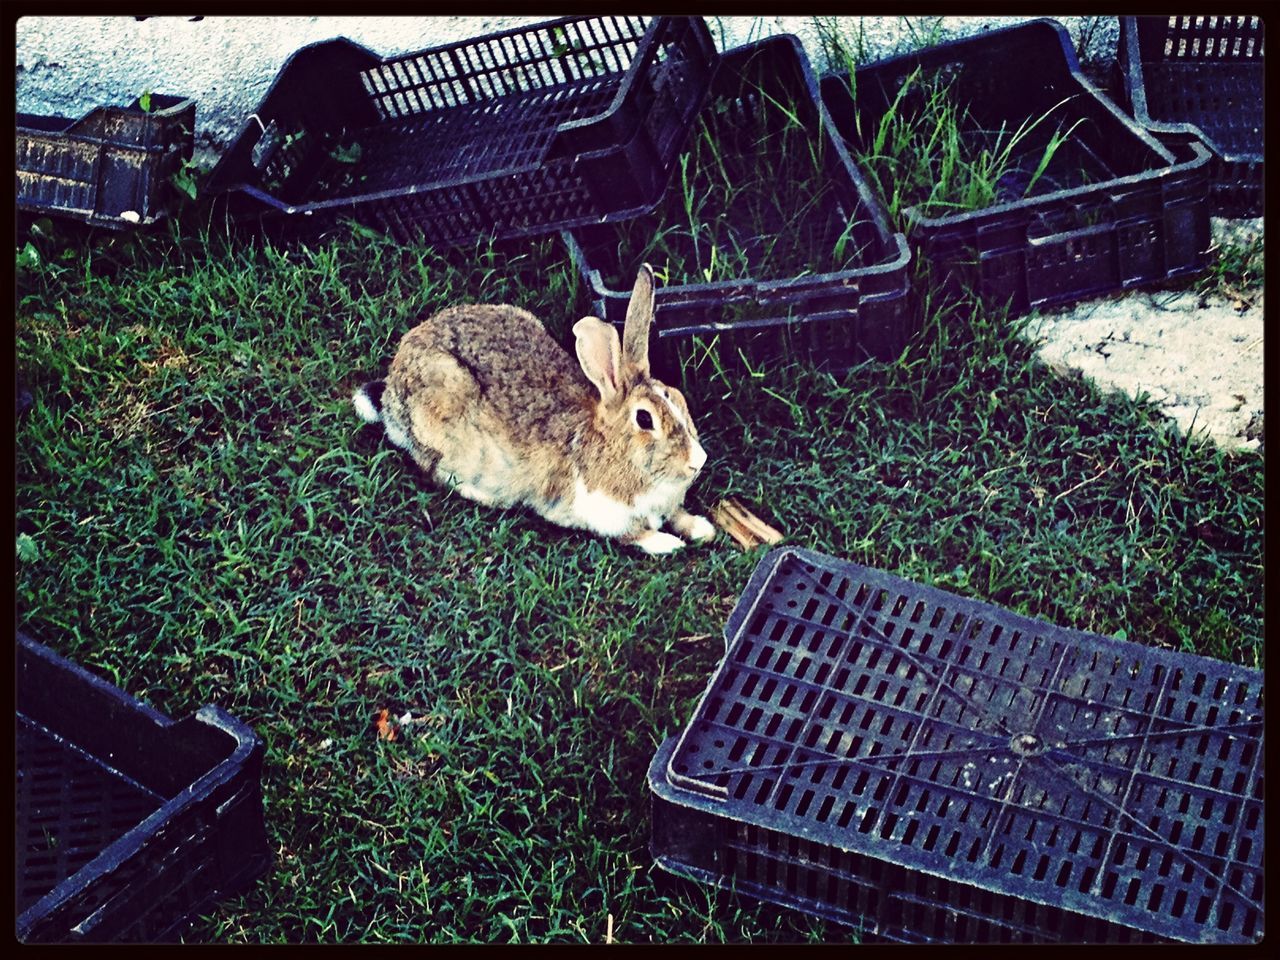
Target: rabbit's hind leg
<point>425,407</point>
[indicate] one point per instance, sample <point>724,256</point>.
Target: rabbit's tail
<point>368,401</point>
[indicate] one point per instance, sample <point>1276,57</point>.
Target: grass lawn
<point>201,517</point>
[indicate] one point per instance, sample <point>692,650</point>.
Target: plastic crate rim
<point>940,51</point>
<point>35,648</point>
<point>763,293</point>
<point>647,40</point>
<point>770,291</point>
<point>180,105</point>
<point>748,601</point>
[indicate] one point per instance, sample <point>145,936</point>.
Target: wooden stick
<point>742,525</point>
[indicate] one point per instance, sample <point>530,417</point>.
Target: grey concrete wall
<point>67,65</point>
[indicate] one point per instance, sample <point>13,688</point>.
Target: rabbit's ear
<point>635,333</point>
<point>600,355</point>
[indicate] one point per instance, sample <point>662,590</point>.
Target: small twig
<point>155,413</point>
<point>608,929</point>
<point>1082,483</point>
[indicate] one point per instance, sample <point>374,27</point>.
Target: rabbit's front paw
<point>698,529</point>
<point>655,541</point>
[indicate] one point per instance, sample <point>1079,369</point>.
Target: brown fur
<point>490,403</point>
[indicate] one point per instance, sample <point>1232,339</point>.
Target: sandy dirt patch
<point>1199,358</point>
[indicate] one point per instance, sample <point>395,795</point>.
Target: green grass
<point>201,517</point>
<point>1235,269</point>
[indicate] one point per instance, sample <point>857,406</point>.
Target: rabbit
<point>486,402</point>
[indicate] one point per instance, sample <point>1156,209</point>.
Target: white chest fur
<point>595,510</point>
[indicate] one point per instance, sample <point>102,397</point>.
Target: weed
<point>186,179</point>
<point>927,152</point>
<point>843,45</point>
<point>922,32</point>
<point>925,146</point>
<point>751,200</point>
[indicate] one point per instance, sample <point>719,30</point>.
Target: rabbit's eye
<point>644,420</point>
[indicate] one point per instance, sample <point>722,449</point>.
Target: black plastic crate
<point>932,768</point>
<point>110,168</point>
<point>1114,209</point>
<point>128,824</point>
<point>1202,76</point>
<point>506,135</point>
<point>831,319</point>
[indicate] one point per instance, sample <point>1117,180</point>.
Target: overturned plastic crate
<point>128,824</point>
<point>1202,76</point>
<point>790,296</point>
<point>506,135</point>
<point>929,768</point>
<point>1089,203</point>
<point>111,168</point>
